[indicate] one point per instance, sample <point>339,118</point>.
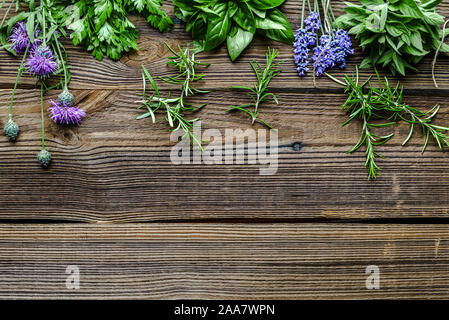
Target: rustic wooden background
<point>140,227</point>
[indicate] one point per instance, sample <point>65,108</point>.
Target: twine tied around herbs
<point>434,62</point>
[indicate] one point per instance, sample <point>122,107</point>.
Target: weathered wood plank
<point>89,73</point>
<point>224,261</point>
<point>115,168</point>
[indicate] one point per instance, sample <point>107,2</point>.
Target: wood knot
<point>297,146</point>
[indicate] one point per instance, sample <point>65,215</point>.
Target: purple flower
<point>323,56</point>
<point>41,62</point>
<point>305,38</point>
<point>332,50</point>
<point>62,113</point>
<point>312,22</point>
<point>341,47</point>
<point>301,51</point>
<point>19,38</point>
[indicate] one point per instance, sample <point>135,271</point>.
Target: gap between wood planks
<point>210,221</point>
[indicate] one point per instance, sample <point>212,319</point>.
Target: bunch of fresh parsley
<point>212,22</point>
<point>103,27</point>
<point>396,33</point>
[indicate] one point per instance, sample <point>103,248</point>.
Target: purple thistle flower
<point>62,113</point>
<point>323,56</point>
<point>19,38</point>
<point>41,62</point>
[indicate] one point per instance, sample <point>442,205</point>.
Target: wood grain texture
<point>115,168</point>
<point>224,261</point>
<point>89,73</point>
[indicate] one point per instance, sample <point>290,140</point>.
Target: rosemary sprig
<point>394,104</point>
<point>259,93</point>
<point>175,107</point>
<point>362,106</point>
<point>367,103</point>
<point>185,62</point>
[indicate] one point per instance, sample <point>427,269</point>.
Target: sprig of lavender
<point>331,48</point>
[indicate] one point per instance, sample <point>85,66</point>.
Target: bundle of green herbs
<point>396,34</point>
<point>213,22</point>
<point>103,27</point>
<point>369,104</point>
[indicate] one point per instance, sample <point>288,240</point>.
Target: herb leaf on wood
<point>384,102</point>
<point>175,107</point>
<point>258,93</point>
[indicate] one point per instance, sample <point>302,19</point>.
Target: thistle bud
<point>66,97</point>
<point>44,158</point>
<point>11,130</point>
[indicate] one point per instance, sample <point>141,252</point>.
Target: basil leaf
<point>217,28</point>
<point>268,24</point>
<point>266,4</point>
<point>237,41</point>
<point>286,35</point>
<point>245,19</point>
<point>233,7</point>
<point>260,13</point>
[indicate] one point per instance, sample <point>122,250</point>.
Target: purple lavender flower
<point>341,47</point>
<point>332,50</point>
<point>313,22</point>
<point>301,51</point>
<point>323,56</point>
<point>305,38</point>
<point>42,62</point>
<point>62,113</point>
<point>19,38</point>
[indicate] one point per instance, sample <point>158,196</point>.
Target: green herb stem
<point>62,62</point>
<point>258,93</point>
<point>175,107</point>
<point>367,103</point>
<point>6,13</point>
<point>44,24</point>
<point>303,9</point>
<point>42,115</point>
<point>19,74</point>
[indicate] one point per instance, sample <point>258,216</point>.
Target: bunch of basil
<point>396,33</point>
<point>211,22</point>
